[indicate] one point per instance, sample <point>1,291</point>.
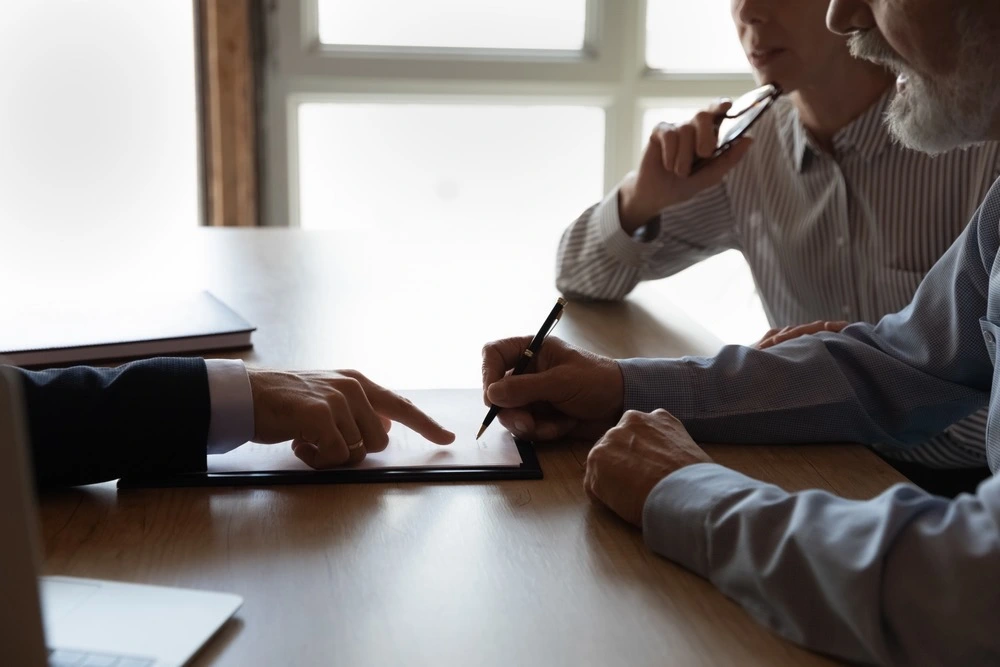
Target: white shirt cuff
<point>231,422</point>
<point>630,250</point>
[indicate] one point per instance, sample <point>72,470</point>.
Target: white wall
<point>98,130</point>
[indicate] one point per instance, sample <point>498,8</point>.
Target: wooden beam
<point>229,111</point>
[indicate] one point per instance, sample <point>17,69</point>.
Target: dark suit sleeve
<point>90,425</point>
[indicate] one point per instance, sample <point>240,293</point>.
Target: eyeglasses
<point>741,116</point>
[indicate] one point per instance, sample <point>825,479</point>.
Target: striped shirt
<point>827,237</point>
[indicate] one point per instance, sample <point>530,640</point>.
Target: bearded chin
<point>955,111</point>
<point>935,120</point>
<point>920,119</point>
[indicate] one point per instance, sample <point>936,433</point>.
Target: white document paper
<point>459,410</point>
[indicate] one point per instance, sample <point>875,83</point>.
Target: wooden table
<point>511,573</point>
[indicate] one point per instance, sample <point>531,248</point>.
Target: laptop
<point>67,621</point>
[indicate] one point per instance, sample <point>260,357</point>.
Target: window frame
<point>610,71</point>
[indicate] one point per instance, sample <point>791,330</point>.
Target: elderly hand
<point>776,336</point>
<point>632,458</point>
<point>334,417</point>
<point>567,392</point>
<point>664,177</point>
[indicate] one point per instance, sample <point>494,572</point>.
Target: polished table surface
<point>509,573</point>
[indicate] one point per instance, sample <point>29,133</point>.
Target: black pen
<point>528,354</point>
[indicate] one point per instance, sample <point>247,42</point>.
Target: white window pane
<point>698,36</point>
<point>449,169</point>
<point>720,294</point>
<point>98,118</point>
<point>498,24</point>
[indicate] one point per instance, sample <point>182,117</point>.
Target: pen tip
<point>482,429</point>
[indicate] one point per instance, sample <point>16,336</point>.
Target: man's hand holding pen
<point>567,392</point>
<point>572,393</point>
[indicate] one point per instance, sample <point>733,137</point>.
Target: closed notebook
<point>48,332</point>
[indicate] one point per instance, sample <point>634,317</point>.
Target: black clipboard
<point>529,469</point>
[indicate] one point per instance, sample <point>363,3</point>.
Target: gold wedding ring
<point>358,445</point>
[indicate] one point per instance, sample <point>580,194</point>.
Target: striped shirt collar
<point>866,135</point>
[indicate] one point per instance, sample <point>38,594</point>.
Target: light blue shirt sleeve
<point>231,422</point>
<point>898,382</point>
<point>904,579</point>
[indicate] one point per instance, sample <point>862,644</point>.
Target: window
<point>477,114</point>
<point>448,162</point>
<point>698,37</point>
<point>337,65</point>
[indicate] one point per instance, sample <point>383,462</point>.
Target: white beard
<point>935,119</point>
<point>962,109</point>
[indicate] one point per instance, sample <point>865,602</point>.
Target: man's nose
<point>848,16</point>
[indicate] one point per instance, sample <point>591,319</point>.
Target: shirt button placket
<point>843,247</point>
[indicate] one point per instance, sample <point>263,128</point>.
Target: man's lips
<point>902,74</point>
